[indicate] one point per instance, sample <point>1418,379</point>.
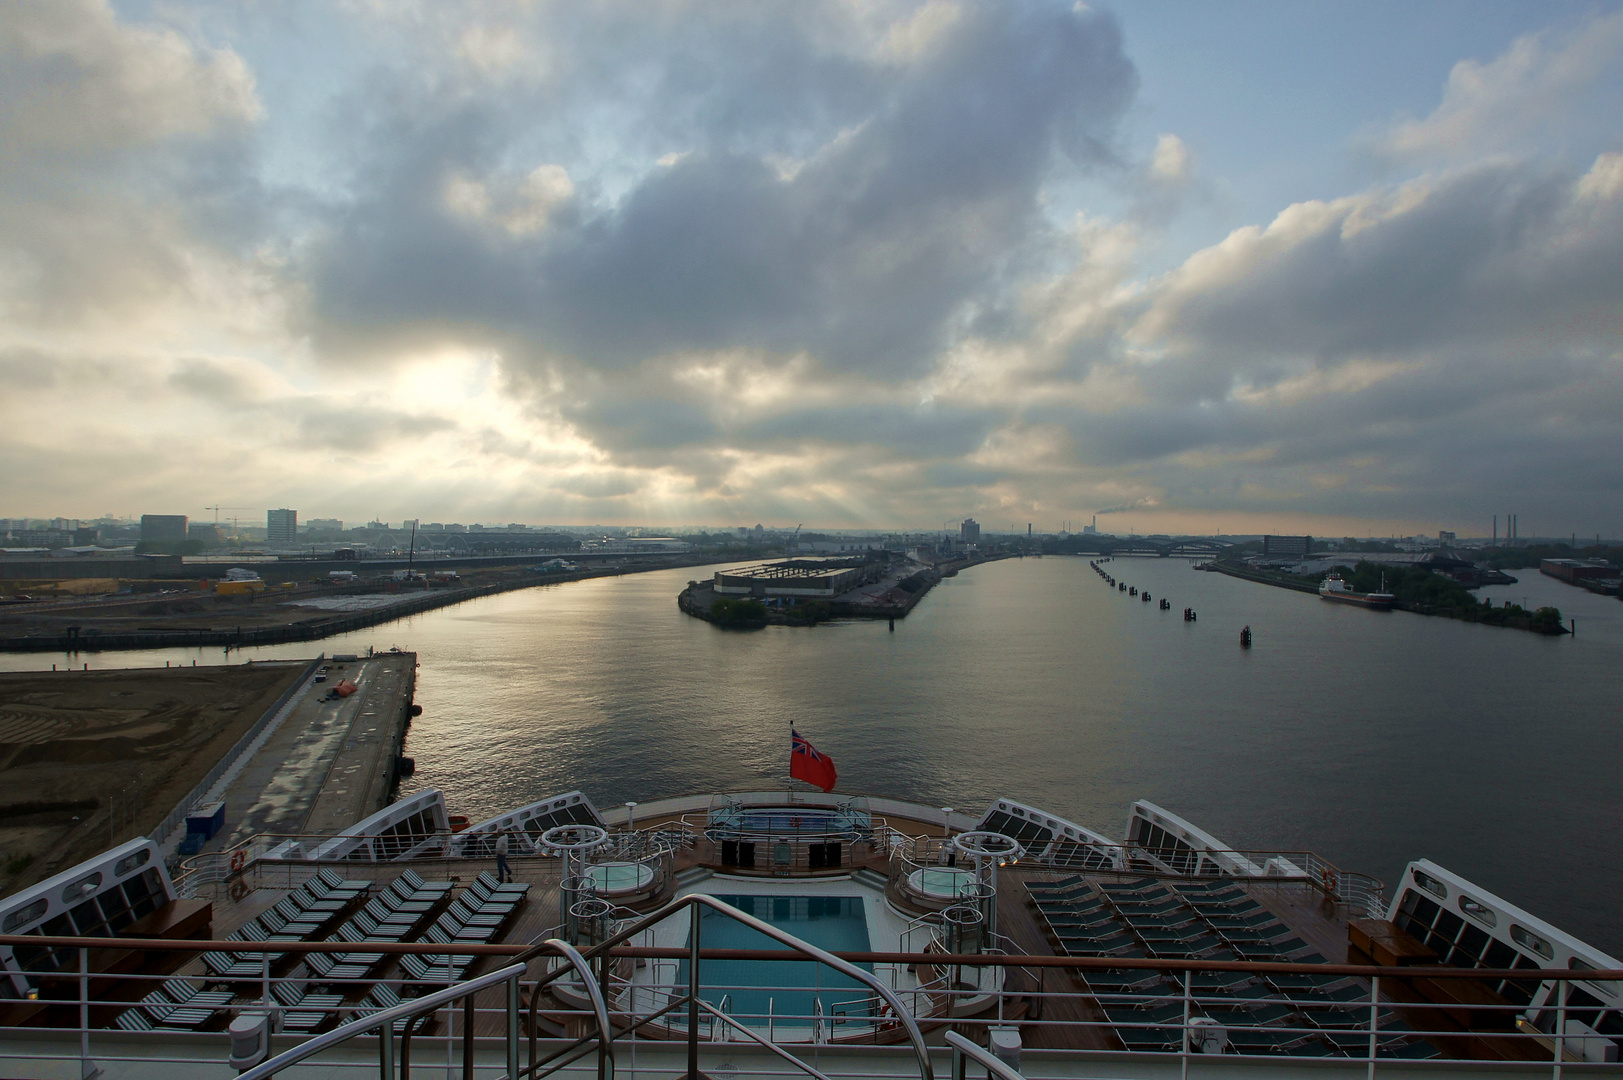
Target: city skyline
<point>225,531</point>
<point>1249,269</point>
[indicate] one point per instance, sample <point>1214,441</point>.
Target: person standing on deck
<point>504,873</point>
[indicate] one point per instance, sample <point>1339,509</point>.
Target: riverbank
<point>699,600</point>
<point>95,626</point>
<point>1514,618</point>
<point>100,757</point>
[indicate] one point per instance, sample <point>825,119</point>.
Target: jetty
<point>802,592</point>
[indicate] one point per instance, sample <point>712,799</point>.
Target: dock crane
<point>217,510</point>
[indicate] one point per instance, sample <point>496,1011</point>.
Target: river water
<point>1370,738</point>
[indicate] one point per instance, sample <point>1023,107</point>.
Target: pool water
<point>943,882</point>
<point>835,923</point>
<point>619,877</point>
<point>786,821</point>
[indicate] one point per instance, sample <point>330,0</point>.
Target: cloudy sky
<point>1336,268</point>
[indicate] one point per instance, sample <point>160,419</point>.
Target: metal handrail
<point>755,1036</point>
<point>994,1064</point>
<point>344,1032</point>
<point>1556,1038</point>
<point>605,1031</point>
<point>1081,963</point>
<point>461,991</point>
<point>695,900</point>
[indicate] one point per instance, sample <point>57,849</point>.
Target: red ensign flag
<point>805,763</point>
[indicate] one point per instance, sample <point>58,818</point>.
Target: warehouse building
<point>812,579</point>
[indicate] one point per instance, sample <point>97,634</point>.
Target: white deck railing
<point>1373,1020</point>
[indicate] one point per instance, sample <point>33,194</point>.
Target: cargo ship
<point>1333,588</point>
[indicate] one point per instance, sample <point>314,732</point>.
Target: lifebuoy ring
<point>1329,880</point>
<point>794,822</point>
<point>239,858</point>
<point>887,1016</point>
<point>238,890</point>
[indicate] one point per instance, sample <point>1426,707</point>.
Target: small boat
<point>1245,638</point>
<point>1132,590</point>
<point>1188,614</point>
<point>1166,605</point>
<point>1144,597</point>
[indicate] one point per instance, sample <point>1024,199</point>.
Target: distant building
<point>1294,547</point>
<point>206,531</point>
<point>324,525</point>
<point>1573,571</point>
<point>1444,537</point>
<point>838,546</point>
<point>634,545</point>
<point>281,528</point>
<point>809,579</point>
<point>456,527</point>
<point>163,528</point>
<point>970,531</point>
<point>38,538</point>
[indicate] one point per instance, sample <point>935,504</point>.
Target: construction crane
<point>217,510</point>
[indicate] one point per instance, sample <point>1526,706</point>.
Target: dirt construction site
<point>90,759</point>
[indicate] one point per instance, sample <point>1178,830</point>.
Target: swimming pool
<point>835,923</point>
<point>614,878</point>
<point>786,820</point>
<point>940,882</point>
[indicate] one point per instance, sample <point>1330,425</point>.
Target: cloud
<point>665,262</point>
<point>1171,162</point>
<point>216,382</point>
<point>1127,508</point>
<point>915,186</point>
<point>324,426</point>
<point>78,85</point>
<point>1488,107</point>
<point>1430,346</point>
<point>1487,255</point>
<point>123,179</point>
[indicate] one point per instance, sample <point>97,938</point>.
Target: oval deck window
<point>131,861</point>
<point>1480,912</point>
<point>1431,885</point>
<point>24,915</point>
<point>1529,940</point>
<point>81,888</point>
<point>1607,988</point>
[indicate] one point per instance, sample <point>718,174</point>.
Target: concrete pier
<point>332,761</point>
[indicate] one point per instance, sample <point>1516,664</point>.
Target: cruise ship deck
<point>783,932</point>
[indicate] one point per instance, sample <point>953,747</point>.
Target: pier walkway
<point>332,761</point>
